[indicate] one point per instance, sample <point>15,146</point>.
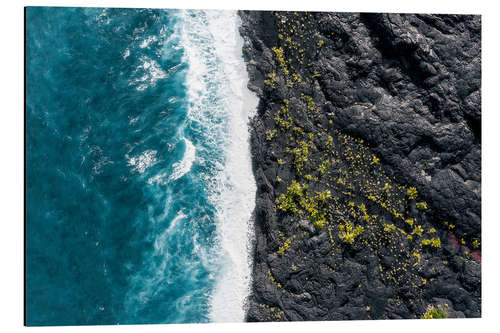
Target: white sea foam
<point>143,161</point>
<point>149,72</point>
<point>220,105</point>
<point>179,168</point>
<point>145,43</point>
<point>159,179</point>
<point>126,54</point>
<point>183,166</point>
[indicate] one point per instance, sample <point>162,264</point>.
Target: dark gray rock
<point>405,88</point>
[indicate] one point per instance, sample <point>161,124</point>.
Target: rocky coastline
<point>367,157</point>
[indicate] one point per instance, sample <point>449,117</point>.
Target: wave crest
<point>184,166</point>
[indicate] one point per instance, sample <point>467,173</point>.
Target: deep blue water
<point>121,219</point>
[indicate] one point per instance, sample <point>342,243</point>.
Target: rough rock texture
<point>357,111</point>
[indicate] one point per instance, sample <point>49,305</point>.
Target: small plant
<point>282,117</point>
<point>418,230</point>
<point>301,154</point>
<point>468,255</point>
<point>418,256</point>
<point>449,225</point>
<point>281,162</point>
<point>270,134</point>
<point>323,196</point>
<point>297,77</point>
<point>286,202</point>
<point>319,224</point>
<point>271,79</point>
<point>348,233</point>
<point>362,207</point>
<point>389,227</point>
<point>375,160</point>
<point>329,143</point>
<point>320,43</point>
<point>296,189</point>
<point>421,206</point>
<point>311,105</point>
<point>434,312</point>
<point>278,51</point>
<point>412,193</point>
<point>475,243</point>
<point>286,246</point>
<point>410,222</point>
<point>325,165</point>
<point>434,242</point>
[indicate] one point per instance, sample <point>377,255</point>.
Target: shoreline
<point>235,189</point>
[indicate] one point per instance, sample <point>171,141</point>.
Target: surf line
<point>213,51</point>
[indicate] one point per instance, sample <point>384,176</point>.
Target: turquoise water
<point>139,188</point>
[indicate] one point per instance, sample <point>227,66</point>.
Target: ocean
<point>139,186</point>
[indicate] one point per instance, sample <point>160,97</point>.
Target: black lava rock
<point>367,155</point>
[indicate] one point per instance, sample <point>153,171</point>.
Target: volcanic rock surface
<point>367,157</point>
